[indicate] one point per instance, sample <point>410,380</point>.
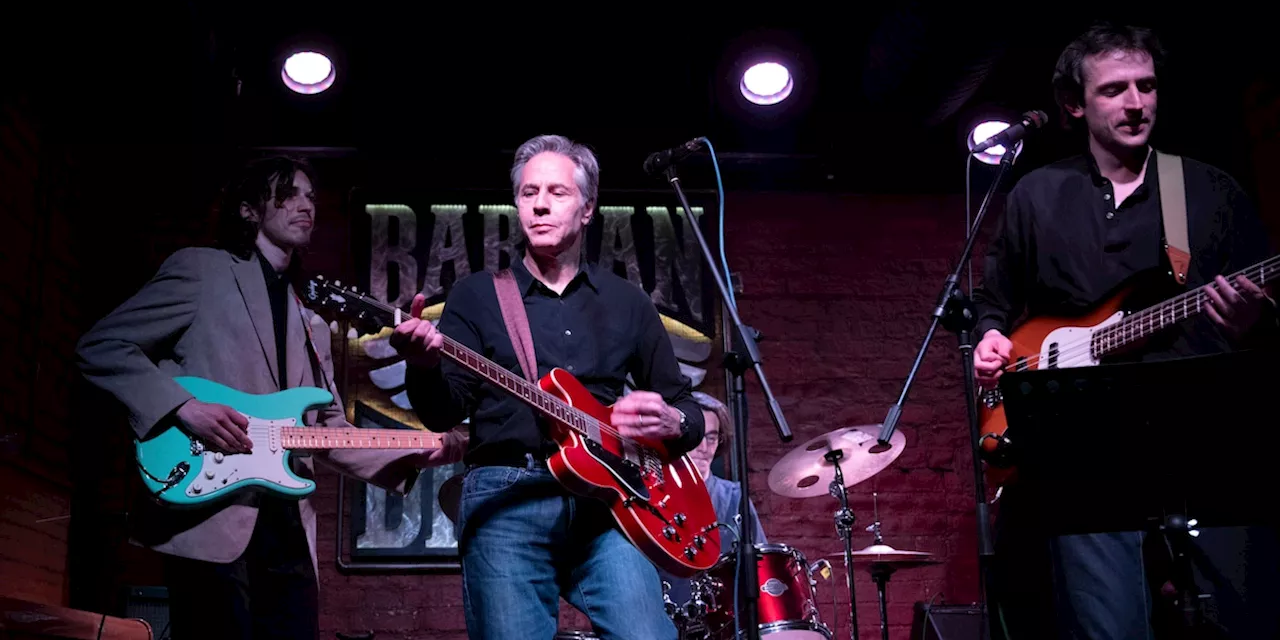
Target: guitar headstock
<point>333,301</point>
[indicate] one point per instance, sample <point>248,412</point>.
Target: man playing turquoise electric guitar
<point>222,371</point>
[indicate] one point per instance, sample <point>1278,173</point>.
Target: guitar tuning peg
<point>320,278</point>
<point>337,283</point>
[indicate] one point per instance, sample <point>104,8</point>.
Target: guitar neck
<point>348,438</point>
<point>1153,319</point>
<point>502,377</point>
<point>521,388</point>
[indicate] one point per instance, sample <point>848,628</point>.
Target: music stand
<point>1107,448</point>
<point>1162,447</point>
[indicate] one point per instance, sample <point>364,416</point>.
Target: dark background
<point>118,125</point>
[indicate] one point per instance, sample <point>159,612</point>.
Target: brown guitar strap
<point>1173,205</point>
<point>512,305</point>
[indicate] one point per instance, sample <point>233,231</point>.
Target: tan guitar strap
<point>512,305</point>
<point>1173,206</point>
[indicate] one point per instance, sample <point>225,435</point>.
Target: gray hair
<point>586,172</point>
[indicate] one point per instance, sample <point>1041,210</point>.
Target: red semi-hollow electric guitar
<point>660,502</point>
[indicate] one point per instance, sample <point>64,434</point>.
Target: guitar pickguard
<point>265,466</point>
<point>627,473</point>
<point>1071,347</point>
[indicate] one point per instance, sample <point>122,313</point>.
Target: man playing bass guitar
<point>1072,234</point>
<point>524,539</point>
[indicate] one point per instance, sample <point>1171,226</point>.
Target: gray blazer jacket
<point>206,313</point>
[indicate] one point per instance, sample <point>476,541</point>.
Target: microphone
<point>1030,120</point>
<point>659,161</point>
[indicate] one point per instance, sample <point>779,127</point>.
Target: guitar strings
<point>1265,271</point>
<point>563,406</point>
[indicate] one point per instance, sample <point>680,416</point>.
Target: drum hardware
<point>844,528</point>
<point>828,465</point>
<point>883,560</point>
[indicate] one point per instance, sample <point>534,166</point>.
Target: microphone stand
<point>743,355</point>
<point>955,311</point>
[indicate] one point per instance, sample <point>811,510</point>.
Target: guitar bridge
<point>992,398</point>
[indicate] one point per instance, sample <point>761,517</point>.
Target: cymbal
<point>885,554</point>
<point>450,496</point>
<point>805,473</point>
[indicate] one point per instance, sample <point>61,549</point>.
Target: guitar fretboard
<point>527,391</point>
<point>552,406</point>
<point>345,438</point>
<point>1174,310</point>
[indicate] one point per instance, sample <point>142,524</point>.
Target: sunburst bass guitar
<point>659,501</point>
<point>1084,341</point>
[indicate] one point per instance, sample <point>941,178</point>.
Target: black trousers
<point>269,592</point>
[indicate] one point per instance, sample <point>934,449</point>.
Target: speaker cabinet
<point>950,622</point>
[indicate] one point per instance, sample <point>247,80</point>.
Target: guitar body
<point>654,499</point>
<point>179,471</point>
<point>1047,342</point>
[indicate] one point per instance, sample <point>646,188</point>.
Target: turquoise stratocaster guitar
<point>179,470</point>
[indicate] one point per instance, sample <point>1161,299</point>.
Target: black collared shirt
<point>600,329</point>
<point>1063,246</point>
<point>278,294</point>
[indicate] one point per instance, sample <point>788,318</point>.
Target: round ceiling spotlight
<point>308,72</point>
<point>985,130</point>
<point>766,83</point>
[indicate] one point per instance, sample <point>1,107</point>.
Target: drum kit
<point>788,600</point>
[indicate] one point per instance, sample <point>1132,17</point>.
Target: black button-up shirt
<point>278,294</point>
<point>1063,247</point>
<point>600,329</point>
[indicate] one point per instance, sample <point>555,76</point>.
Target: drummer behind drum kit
<point>788,600</point>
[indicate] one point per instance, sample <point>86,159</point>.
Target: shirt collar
<point>1096,174</point>
<point>586,272</point>
<point>268,272</point>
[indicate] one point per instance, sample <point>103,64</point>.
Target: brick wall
<point>38,321</point>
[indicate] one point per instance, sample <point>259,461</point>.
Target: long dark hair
<point>255,184</point>
<point>1102,37</point>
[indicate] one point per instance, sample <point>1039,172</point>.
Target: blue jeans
<point>1100,584</point>
<point>1073,587</point>
<point>525,541</point>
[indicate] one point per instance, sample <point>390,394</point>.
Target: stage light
<point>985,130</point>
<point>308,72</point>
<point>766,83</point>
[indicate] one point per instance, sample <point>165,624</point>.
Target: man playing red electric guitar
<point>1072,232</point>
<point>525,541</point>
